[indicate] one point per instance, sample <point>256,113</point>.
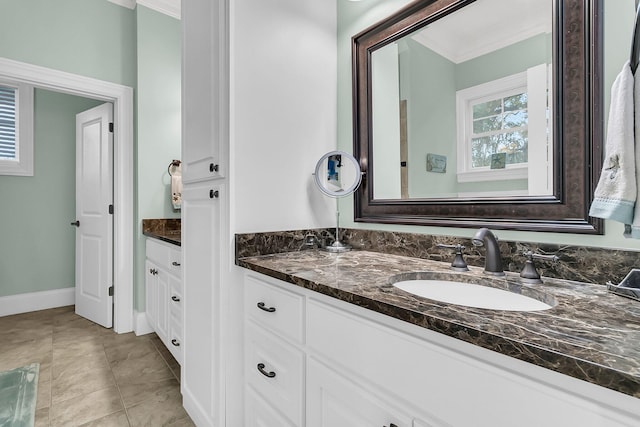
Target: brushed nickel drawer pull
<point>261,306</point>
<point>265,373</point>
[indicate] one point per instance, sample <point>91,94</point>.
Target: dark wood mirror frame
<point>577,58</point>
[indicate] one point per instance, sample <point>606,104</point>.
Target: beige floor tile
<point>83,346</point>
<point>113,339</point>
<point>42,417</point>
<point>45,372</point>
<point>128,349</point>
<point>183,422</point>
<point>42,316</point>
<point>164,409</point>
<point>21,354</point>
<point>63,337</point>
<point>175,368</point>
<point>119,419</point>
<point>81,359</point>
<point>80,383</point>
<point>140,370</point>
<point>44,395</point>
<point>24,331</point>
<point>72,363</point>
<point>133,394</point>
<point>89,407</point>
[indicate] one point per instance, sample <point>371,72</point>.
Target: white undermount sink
<point>471,295</point>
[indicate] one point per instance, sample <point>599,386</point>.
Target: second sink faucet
<point>493,259</point>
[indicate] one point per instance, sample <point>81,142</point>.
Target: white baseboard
<point>34,301</point>
<point>141,324</point>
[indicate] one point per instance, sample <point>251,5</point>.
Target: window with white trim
<point>493,127</point>
<point>16,129</point>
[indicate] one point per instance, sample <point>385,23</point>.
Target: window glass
<point>16,129</point>
<point>499,125</point>
<point>7,123</point>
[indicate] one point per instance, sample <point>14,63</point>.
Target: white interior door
<point>94,234</point>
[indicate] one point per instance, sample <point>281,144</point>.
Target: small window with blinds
<point>8,123</point>
<point>16,129</point>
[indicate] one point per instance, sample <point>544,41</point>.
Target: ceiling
<point>485,26</point>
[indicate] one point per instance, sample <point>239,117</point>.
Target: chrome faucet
<point>493,259</point>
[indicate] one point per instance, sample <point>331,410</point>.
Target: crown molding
<point>129,4</point>
<point>168,7</point>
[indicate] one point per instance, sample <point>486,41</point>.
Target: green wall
<point>159,123</point>
<point>95,38</point>
<point>509,60</point>
<point>354,17</point>
<point>37,252</point>
<point>431,117</point>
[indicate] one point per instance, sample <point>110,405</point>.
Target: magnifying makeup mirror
<point>338,175</point>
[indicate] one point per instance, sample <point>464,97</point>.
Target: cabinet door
<point>201,290</point>
<point>335,400</point>
<point>203,94</point>
<point>162,304</point>
<point>151,293</point>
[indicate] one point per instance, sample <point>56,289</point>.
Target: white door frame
<point>122,99</point>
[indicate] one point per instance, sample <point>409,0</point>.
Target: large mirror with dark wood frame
<point>472,113</point>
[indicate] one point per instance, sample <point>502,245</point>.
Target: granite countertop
<point>167,230</point>
<point>589,334</point>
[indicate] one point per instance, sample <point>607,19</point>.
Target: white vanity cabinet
<point>362,368</point>
<point>274,354</point>
<point>163,284</point>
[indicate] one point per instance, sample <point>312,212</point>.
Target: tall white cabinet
<point>204,201</point>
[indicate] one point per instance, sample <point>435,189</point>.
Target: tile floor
<point>90,376</point>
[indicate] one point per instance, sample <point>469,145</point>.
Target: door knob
<point>76,223</point>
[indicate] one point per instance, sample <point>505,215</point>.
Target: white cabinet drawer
<point>275,370</point>
<point>175,342</point>
<point>262,414</point>
<point>175,298</point>
<point>175,262</point>
<point>274,308</point>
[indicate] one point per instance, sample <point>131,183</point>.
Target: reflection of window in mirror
<point>507,116</point>
<point>334,163</point>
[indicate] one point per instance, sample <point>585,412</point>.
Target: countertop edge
<point>582,369</point>
<point>163,238</point>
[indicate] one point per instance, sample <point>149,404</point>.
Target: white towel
<point>176,187</point>
<point>632,229</point>
<point>616,193</point>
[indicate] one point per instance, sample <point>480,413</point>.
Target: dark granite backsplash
<point>165,229</point>
<point>583,264</point>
